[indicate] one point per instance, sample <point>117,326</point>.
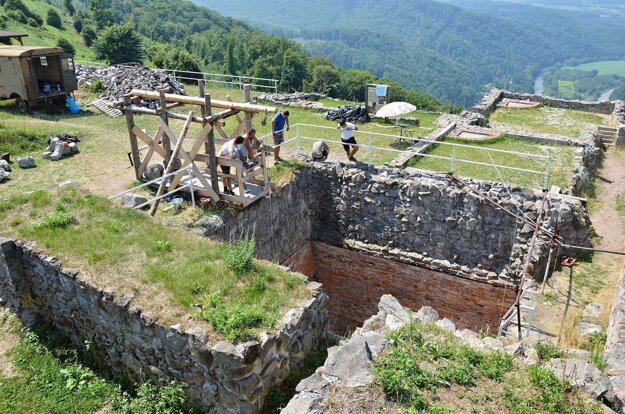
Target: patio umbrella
<point>395,109</point>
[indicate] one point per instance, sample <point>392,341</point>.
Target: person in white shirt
<point>231,149</point>
<point>347,137</point>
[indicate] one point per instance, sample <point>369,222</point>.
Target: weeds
<point>547,351</point>
<point>57,219</point>
<point>240,254</point>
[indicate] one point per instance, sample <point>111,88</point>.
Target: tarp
<point>349,113</point>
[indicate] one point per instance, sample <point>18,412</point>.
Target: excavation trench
<point>364,233</point>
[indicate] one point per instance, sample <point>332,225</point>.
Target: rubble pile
<point>306,100</point>
<point>120,80</point>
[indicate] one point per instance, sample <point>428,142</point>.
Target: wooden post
<point>163,114</point>
<point>247,97</point>
<point>172,162</point>
<point>210,147</point>
<point>134,146</point>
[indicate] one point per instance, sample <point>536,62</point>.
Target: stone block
<point>26,162</point>
<point>133,200</point>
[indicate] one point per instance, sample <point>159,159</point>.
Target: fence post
<point>547,174</point>
<point>370,147</point>
<point>297,137</point>
<point>453,158</point>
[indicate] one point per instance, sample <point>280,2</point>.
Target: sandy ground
<point>568,295</point>
<point>8,340</point>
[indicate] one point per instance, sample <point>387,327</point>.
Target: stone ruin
<point>117,81</point>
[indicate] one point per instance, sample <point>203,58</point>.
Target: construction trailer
<point>376,96</point>
<point>32,75</point>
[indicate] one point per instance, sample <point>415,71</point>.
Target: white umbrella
<point>395,109</point>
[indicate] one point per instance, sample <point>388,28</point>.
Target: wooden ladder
<point>103,106</point>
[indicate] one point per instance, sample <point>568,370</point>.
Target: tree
<point>293,70</point>
<point>325,79</point>
<point>101,13</point>
<point>70,7</point>
<point>54,19</point>
<point>89,35</point>
<point>66,46</point>
<point>119,44</point>
<point>182,60</point>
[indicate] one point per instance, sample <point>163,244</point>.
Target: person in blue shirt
<point>280,121</point>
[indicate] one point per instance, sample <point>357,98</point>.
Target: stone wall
<point>355,281</point>
<point>619,114</point>
<point>601,107</point>
<point>615,344</point>
<point>225,378</point>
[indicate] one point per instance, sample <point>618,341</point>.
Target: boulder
<point>396,315</point>
<point>584,374</point>
<point>4,165</point>
<point>26,162</point>
<point>427,314</point>
<point>587,328</point>
<point>351,364</point>
<point>446,324</point>
<point>531,357</point>
<point>593,312</point>
<point>133,200</point>
<point>154,171</point>
<point>4,175</point>
<point>305,403</point>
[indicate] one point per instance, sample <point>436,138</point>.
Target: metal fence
<point>308,133</point>
<point>263,84</point>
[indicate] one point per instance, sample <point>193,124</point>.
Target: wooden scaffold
<point>252,183</point>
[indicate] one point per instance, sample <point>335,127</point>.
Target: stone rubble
<point>120,80</point>
<point>306,100</point>
<point>350,364</point>
<point>26,162</point>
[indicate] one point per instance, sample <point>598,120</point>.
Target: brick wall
<point>355,281</point>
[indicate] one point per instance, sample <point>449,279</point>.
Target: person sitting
<point>320,151</point>
<point>251,143</point>
<point>232,150</point>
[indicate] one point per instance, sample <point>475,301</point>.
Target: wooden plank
<point>210,147</point>
<point>163,115</point>
<point>148,140</point>
<point>171,163</point>
<point>190,100</point>
<point>240,183</point>
<point>134,145</point>
<point>222,132</point>
<point>194,150</point>
<point>169,134</point>
<point>148,156</point>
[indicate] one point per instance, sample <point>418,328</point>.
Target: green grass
<point>282,173</point>
<point>47,35</point>
<point>605,67</point>
<point>546,120</point>
<point>17,139</point>
<point>561,165</point>
<point>428,370</point>
<point>566,88</point>
<point>55,378</point>
<point>171,270</point>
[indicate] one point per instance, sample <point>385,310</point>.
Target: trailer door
<point>70,83</point>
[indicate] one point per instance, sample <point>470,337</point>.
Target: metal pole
<point>191,186</point>
<point>297,137</point>
<point>370,149</point>
<point>453,157</point>
<point>547,174</point>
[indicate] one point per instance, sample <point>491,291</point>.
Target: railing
<point>219,78</point>
<point>454,159</point>
<point>180,188</point>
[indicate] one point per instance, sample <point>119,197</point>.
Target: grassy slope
<point>47,35</point>
<point>168,270</point>
<point>545,120</point>
<point>606,67</point>
<point>428,370</point>
<point>562,158</point>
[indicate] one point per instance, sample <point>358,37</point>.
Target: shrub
<point>57,219</point>
<point>32,22</point>
<point>66,46</point>
<point>17,16</point>
<point>232,319</point>
<point>151,399</point>
<point>19,6</point>
<point>89,35</point>
<point>78,25</point>
<point>54,19</point>
<point>547,351</point>
<point>97,86</point>
<point>119,44</point>
<point>240,254</point>
<point>69,6</point>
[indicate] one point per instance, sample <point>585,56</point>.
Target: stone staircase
<point>607,135</point>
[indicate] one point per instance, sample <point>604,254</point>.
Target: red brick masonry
<point>355,281</point>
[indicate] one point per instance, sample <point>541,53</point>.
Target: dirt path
<point>8,341</point>
<point>567,294</point>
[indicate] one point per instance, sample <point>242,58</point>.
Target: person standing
<point>278,125</point>
<point>232,150</point>
<point>347,137</point>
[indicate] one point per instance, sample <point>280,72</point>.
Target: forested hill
<point>181,35</point>
<point>450,52</point>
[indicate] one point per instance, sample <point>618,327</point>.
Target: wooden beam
<point>247,97</point>
<point>172,161</point>
<point>210,147</point>
<point>212,119</point>
<point>163,115</point>
<point>194,150</point>
<point>190,100</point>
<point>134,146</point>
